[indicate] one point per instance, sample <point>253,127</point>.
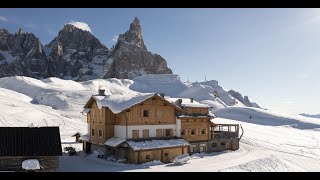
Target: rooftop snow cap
<point>101,92</point>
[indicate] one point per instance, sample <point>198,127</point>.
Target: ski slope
<point>272,141</point>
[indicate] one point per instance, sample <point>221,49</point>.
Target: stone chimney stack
<point>101,92</point>
<point>178,102</point>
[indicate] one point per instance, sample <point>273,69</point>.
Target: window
<point>166,154</point>
<point>92,132</point>
<point>159,133</point>
<point>191,149</point>
<point>100,133</point>
<point>147,156</point>
<point>167,132</point>
<point>223,143</point>
<point>203,131</point>
<point>182,133</point>
<point>145,113</point>
<point>214,145</point>
<point>145,133</point>
<point>193,132</point>
<point>135,134</point>
<point>201,148</point>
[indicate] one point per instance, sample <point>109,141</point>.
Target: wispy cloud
<point>51,32</point>
<point>307,21</point>
<point>302,76</point>
<point>287,102</point>
<point>81,25</point>
<point>4,19</point>
<point>30,25</point>
<point>115,38</point>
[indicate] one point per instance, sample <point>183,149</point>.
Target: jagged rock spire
<point>20,31</point>
<point>134,35</point>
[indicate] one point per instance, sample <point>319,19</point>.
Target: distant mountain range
<point>310,115</point>
<point>76,54</point>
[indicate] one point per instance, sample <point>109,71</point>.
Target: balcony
<point>224,131</point>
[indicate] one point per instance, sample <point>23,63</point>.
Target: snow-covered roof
<point>85,110</point>
<point>197,116</point>
<point>155,144</point>
<point>115,141</point>
<point>186,102</point>
<point>76,134</point>
<point>31,164</point>
<point>118,103</point>
<point>85,137</point>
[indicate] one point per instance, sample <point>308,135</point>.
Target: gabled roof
<point>26,141</point>
<point>186,102</point>
<point>120,103</point>
<point>85,137</point>
<point>156,144</point>
<point>147,144</point>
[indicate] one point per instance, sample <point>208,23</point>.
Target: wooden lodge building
<point>22,144</point>
<point>146,127</point>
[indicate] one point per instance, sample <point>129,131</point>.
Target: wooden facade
<point>47,163</point>
<point>195,129</point>
<point>195,110</point>
<point>159,112</point>
<point>165,155</point>
<point>166,121</point>
<point>100,120</point>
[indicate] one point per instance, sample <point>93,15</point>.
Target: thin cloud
<point>310,20</point>
<point>4,19</point>
<point>302,76</point>
<point>81,25</point>
<point>115,38</point>
<point>51,32</point>
<point>30,25</point>
<point>287,102</point>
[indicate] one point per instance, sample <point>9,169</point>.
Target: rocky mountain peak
<point>244,99</point>
<point>21,31</point>
<point>134,34</point>
<point>3,31</point>
<point>78,55</point>
<point>21,54</point>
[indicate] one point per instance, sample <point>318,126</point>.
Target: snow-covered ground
<point>271,141</point>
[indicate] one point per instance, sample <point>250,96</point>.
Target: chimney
<point>178,102</point>
<point>101,92</point>
<point>191,100</point>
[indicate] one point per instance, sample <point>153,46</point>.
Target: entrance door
<point>88,147</point>
<point>203,148</point>
<point>122,153</point>
<point>166,157</point>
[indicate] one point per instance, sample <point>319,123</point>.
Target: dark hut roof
<point>27,141</point>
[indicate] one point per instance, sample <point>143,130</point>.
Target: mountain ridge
<point>76,54</point>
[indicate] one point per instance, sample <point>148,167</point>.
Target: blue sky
<point>271,55</point>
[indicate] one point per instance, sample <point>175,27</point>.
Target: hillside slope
<point>271,141</point>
